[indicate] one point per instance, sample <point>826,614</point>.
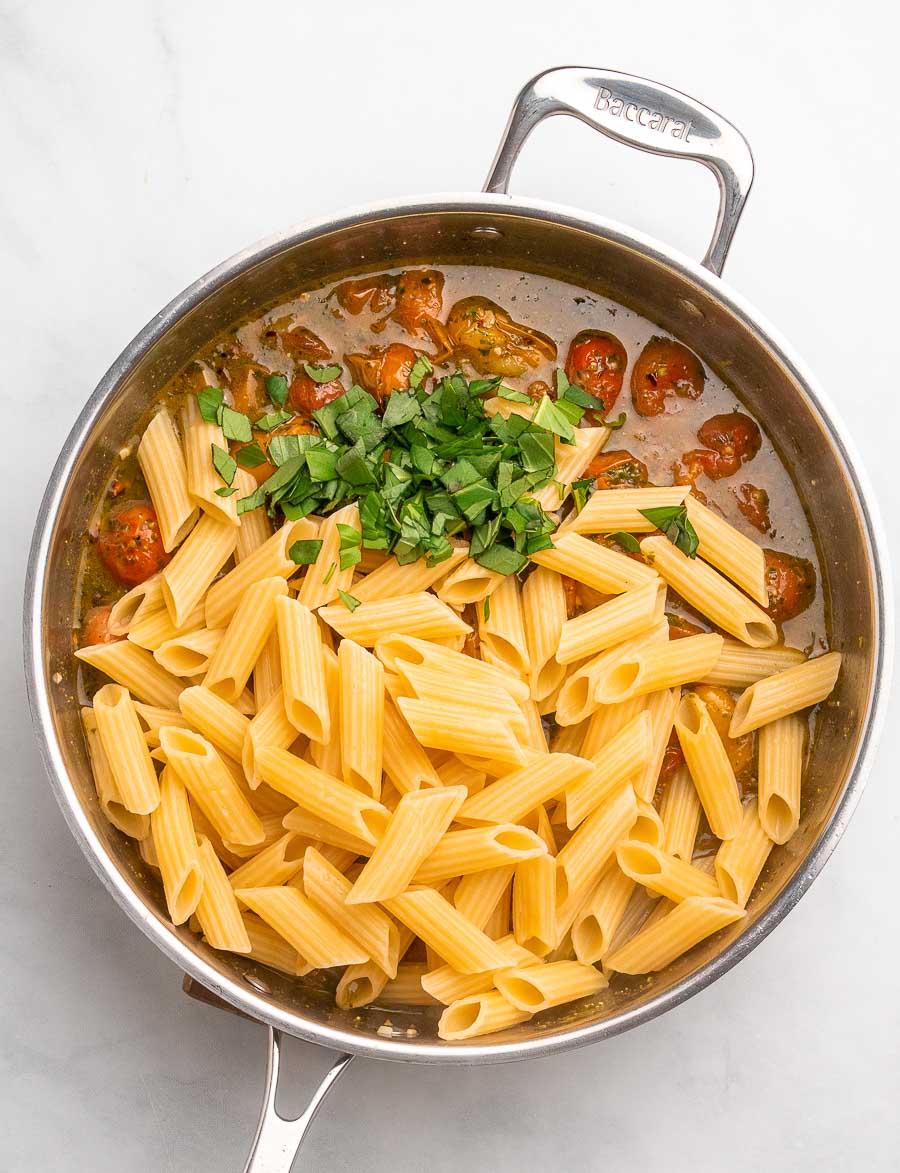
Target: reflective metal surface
<point>684,299</point>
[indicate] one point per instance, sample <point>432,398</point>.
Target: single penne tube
<point>202,477</point>
<point>405,763</point>
<point>610,511</point>
<point>731,552</point>
<point>315,937</point>
<point>605,570</point>
<point>275,864</point>
<point>711,593</point>
<point>136,670</point>
<point>267,670</point>
<point>477,1015</point>
<point>323,796</point>
<point>447,984</point>
<point>271,559</point>
<point>479,893</point>
<point>782,746</point>
<point>305,695</point>
<point>456,728</point>
<point>406,988</point>
<point>200,557</point>
<point>396,650</point>
<point>324,834</point>
<point>640,905</point>
<point>218,721</point>
<point>314,591</point>
<point>152,629</point>
<point>362,983</point>
<point>660,707</point>
<point>245,637</point>
<point>619,761</point>
<point>366,924</point>
<point>415,829</point>
<point>189,654</point>
<point>502,630</point>
<point>145,597</point>
<point>175,842</point>
<point>544,611</point>
<point>582,860</point>
<point>446,931</point>
<point>604,723</point>
<point>622,618</point>
<point>571,461</point>
<point>680,929</point>
<point>540,987</point>
<point>477,849</point>
<point>538,821</point>
<point>419,614</point>
<point>211,785</point>
<point>217,909</point>
<point>255,528</point>
<point>391,578</point>
<point>162,463</point>
<point>433,682</point>
<point>578,698</point>
<point>739,666</point>
<point>739,861</point>
<point>680,811</point>
<point>647,827</point>
<point>467,583</point>
<point>269,728</point>
<point>664,874</point>
<point>327,754</point>
<point>535,736</point>
<point>270,948</point>
<point>125,749</point>
<point>271,823</point>
<point>596,925</point>
<point>514,795</point>
<point>653,667</point>
<point>136,826</point>
<point>455,772</point>
<point>709,764</point>
<point>534,904</point>
<point>786,692</point>
<point>362,717</point>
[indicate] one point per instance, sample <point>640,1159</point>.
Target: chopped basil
<point>486,610</point>
<point>351,540</point>
<point>235,425</point>
<point>402,406</point>
<point>674,522</point>
<point>225,465</point>
<point>277,389</point>
<point>254,501</point>
<point>274,420</point>
<point>250,456</point>
<point>618,422</point>
<point>420,368</point>
<point>305,551</point>
<point>502,559</point>
<point>348,600</point>
<point>627,541</point>
<point>209,400</point>
<point>330,575</point>
<point>549,416</point>
<point>225,490</point>
<point>580,491</point>
<point>322,374</point>
<point>513,396</point>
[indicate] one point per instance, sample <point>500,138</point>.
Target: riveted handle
<point>642,114</point>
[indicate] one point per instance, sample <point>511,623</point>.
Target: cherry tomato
<point>664,367</point>
<point>681,628</point>
<point>732,434</point>
<point>375,293</point>
<point>383,369</point>
<point>720,706</point>
<point>754,505</point>
<point>596,362</point>
<point>673,760</point>
<point>297,341</point>
<point>538,388</point>
<point>95,627</point>
<point>617,469</point>
<point>248,389</point>
<point>484,334</point>
<point>704,462</point>
<point>791,583</point>
<point>305,395</point>
<point>419,299</point>
<point>129,545</point>
<point>298,426</point>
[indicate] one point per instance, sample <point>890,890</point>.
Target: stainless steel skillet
<point>685,299</point>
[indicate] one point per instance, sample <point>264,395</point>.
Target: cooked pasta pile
<point>331,766</point>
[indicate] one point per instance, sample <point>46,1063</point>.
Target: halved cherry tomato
<point>754,505</point>
<point>681,628</point>
<point>419,299</point>
<point>383,369</point>
<point>305,395</point>
<point>95,627</point>
<point>484,334</point>
<point>248,389</point>
<point>617,470</point>
<point>702,461</point>
<point>297,341</point>
<point>375,292</point>
<point>596,362</point>
<point>664,367</point>
<point>791,583</point>
<point>720,706</point>
<point>732,434</point>
<point>129,545</point>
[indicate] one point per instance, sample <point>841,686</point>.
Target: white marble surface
<point>143,142</point>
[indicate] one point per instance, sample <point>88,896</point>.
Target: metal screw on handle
<point>278,1138</point>
<point>642,114</point>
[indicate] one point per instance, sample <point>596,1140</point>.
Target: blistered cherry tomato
<point>298,341</point>
<point>298,426</point>
<point>484,334</point>
<point>129,545</point>
<point>617,470</point>
<point>305,395</point>
<point>419,299</point>
<point>720,706</point>
<point>375,293</point>
<point>383,369</point>
<point>754,505</point>
<point>681,628</point>
<point>248,389</point>
<point>95,627</point>
<point>791,584</point>
<point>673,759</point>
<point>704,462</point>
<point>538,388</point>
<point>733,435</point>
<point>664,367</point>
<point>596,362</point>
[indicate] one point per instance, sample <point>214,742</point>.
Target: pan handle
<point>642,114</point>
<point>278,1138</point>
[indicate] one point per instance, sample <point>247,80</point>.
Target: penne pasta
<point>610,511</point>
<point>479,1014</point>
<point>513,796</point>
<point>397,651</point>
<point>372,929</point>
<point>218,721</point>
<point>202,476</point>
<point>582,860</point>
<point>596,925</point>
<point>270,949</point>
<point>580,696</point>
<point>136,670</point>
<point>405,762</point>
<point>622,618</point>
<point>437,922</point>
<point>217,910</point>
<point>324,834</point>
<point>477,849</point>
<point>430,682</point>
<point>255,528</point>
<point>314,591</point>
<point>782,745</point>
<point>785,693</point>
<point>316,938</point>
<point>188,654</point>
<point>276,863</point>
<point>162,464</point>
<point>327,754</point>
<point>269,728</point>
<point>739,666</point>
<point>544,612</point>
<point>731,552</point>
<point>534,904</point>
<point>596,566</point>
<point>539,987</point>
<point>153,628</point>
<point>302,659</point>
<point>439,726</point>
<point>129,823</point>
<point>125,749</point>
<point>478,894</point>
<point>660,707</point>
<point>196,563</point>
<point>740,860</point>
<point>391,578</point>
<point>271,559</point>
<point>653,667</point>
<point>502,630</point>
<point>245,637</point>
<point>664,874</point>
<point>571,461</point>
<point>709,764</point>
<point>142,599</point>
<point>418,614</point>
<point>467,583</point>
<point>688,923</point>
<point>406,988</point>
<point>362,717</point>
<point>680,810</point>
<point>267,669</point>
<point>175,844</point>
<point>620,760</point>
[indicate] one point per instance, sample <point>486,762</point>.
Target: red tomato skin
<point>664,367</point>
<point>791,584</point>
<point>383,369</point>
<point>732,434</point>
<point>596,362</point>
<point>420,295</point>
<point>305,395</point>
<point>754,505</point>
<point>130,545</point>
<point>95,627</point>
<point>617,469</point>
